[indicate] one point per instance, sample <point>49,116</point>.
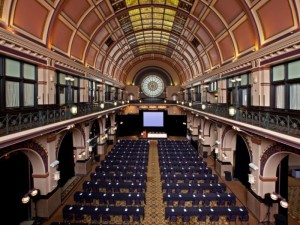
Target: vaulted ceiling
<point>187,38</point>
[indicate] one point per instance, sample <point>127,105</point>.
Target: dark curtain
<point>242,160</point>
<point>15,173</point>
<point>66,160</point>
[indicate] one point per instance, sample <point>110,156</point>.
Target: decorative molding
<point>268,179</point>
<point>31,50</point>
<point>275,149</point>
<point>45,175</point>
<point>256,140</point>
<point>263,57</point>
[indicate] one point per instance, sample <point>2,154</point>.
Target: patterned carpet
<point>154,208</point>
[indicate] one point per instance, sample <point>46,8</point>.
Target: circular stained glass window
<point>152,86</point>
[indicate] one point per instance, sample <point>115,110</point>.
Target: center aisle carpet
<point>154,208</point>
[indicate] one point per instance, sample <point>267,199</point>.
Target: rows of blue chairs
<point>116,188</point>
<point>187,179</point>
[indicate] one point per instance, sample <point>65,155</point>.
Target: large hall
<point>150,112</point>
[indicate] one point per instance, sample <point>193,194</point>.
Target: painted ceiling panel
<point>92,56</point>
<point>213,22</point>
<point>99,61</point>
<point>90,23</point>
<point>181,33</point>
<point>61,35</point>
<point>78,47</point>
<point>103,7</point>
<point>244,36</point>
<point>229,9</point>
<point>227,49</point>
<point>101,36</point>
<point>75,9</point>
<point>198,9</point>
<point>214,57</point>
<point>203,36</point>
<point>272,23</point>
<point>28,21</point>
<point>205,62</point>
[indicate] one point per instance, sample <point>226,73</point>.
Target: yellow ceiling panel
<point>157,22</point>
<point>131,2</point>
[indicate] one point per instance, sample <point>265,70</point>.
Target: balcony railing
<point>276,121</point>
<point>19,121</point>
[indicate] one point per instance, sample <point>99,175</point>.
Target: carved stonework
<point>27,145</point>
<point>272,150</point>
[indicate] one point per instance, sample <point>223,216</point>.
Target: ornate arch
<point>275,149</point>
<point>37,148</point>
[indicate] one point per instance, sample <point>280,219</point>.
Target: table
<point>196,211</point>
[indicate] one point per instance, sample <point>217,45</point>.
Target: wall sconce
<point>253,166</point>
<point>190,104</point>
<point>216,150</point>
<point>123,102</point>
<point>271,198</point>
<point>251,179</point>
<point>115,103</point>
<point>74,109</point>
<point>203,106</point>
<point>201,138</point>
<point>102,105</point>
<point>90,148</point>
<point>54,164</point>
<point>232,111</point>
<point>277,197</point>
<point>30,194</point>
<point>56,175</point>
<point>224,156</point>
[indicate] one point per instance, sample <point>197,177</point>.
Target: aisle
<point>154,208</point>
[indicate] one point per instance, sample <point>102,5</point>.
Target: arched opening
<point>174,97</point>
<point>130,97</point>
<point>66,159</point>
<point>94,134</point>
<point>16,176</point>
<point>241,161</point>
<point>282,182</point>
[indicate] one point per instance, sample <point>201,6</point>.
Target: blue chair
<point>111,201</point>
<point>221,202</point>
<point>79,217</point>
<point>206,202</point>
<point>244,218</point>
<point>173,219</point>
<point>195,202</point>
<point>186,219</point>
<point>138,202</point>
<point>136,219</point>
<point>231,218</point>
<point>170,203</point>
<point>129,202</point>
<point>181,202</point>
<point>201,218</point>
<point>214,218</point>
<point>67,217</point>
<point>126,219</point>
<point>95,217</point>
<point>105,218</point>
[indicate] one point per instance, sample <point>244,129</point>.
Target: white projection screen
<point>153,119</point>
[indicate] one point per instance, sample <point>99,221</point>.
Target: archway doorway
<point>66,159</point>
<point>241,162</point>
<point>15,173</point>
<point>94,134</point>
